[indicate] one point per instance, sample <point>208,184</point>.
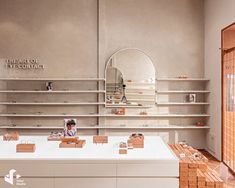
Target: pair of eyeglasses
<point>27,142</point>
<point>56,133</point>
<point>136,134</point>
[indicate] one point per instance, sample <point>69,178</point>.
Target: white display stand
<point>94,166</point>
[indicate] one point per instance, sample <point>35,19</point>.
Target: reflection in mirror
<point>130,79</point>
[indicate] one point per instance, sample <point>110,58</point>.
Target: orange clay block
<point>137,142</point>
<point>80,144</point>
<point>71,143</point>
<point>11,136</point>
<point>122,151</point>
<point>194,170</point>
<point>67,145</point>
<point>100,139</point>
<point>25,148</point>
<point>69,139</point>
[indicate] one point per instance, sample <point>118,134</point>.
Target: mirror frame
<point>108,61</point>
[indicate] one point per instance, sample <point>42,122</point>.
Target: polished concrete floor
<point>225,174</point>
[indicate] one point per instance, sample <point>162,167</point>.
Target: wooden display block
<point>67,145</point>
<point>100,139</point>
<point>69,139</point>
<point>121,111</point>
<point>11,136</point>
<point>194,171</point>
<point>25,148</point>
<point>80,143</point>
<point>122,151</point>
<point>72,142</point>
<point>136,141</point>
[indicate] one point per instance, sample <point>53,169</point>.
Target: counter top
<point>155,150</point>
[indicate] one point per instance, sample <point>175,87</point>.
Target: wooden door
<point>228,96</point>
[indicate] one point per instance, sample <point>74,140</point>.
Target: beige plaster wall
<point>170,32</point>
<point>62,35</point>
<point>75,38</point>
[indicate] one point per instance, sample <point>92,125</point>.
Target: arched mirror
<point>130,79</point>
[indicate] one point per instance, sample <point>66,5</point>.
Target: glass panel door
<point>229,107</point>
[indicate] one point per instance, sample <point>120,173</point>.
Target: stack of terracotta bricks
<point>194,170</point>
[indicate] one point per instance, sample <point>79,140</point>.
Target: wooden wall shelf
<point>182,91</point>
<point>144,127</point>
<point>181,103</point>
<point>133,91</point>
<point>183,79</point>
<point>108,115</point>
<point>52,79</point>
<point>52,103</point>
<point>52,92</point>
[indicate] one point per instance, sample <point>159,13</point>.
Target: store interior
<point>85,73</point>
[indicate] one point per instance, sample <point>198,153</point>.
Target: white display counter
<point>94,166</point>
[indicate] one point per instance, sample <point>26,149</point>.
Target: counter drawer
<point>148,170</point>
<point>85,183</point>
<point>84,170</point>
<point>148,182</point>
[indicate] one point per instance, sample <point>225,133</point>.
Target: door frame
<point>222,95</point>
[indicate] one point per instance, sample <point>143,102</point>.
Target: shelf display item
<point>200,124</point>
<point>137,140</point>
<point>124,99</point>
<point>183,76</point>
<point>121,111</point>
<point>55,136</point>
<point>72,142</point>
<point>143,113</point>
<point>49,86</point>
<point>100,139</point>
<point>14,136</point>
<point>70,127</point>
<point>192,98</point>
<point>25,147</point>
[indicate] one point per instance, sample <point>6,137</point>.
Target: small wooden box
<point>71,142</point>
<point>122,151</point>
<point>25,148</point>
<point>11,136</point>
<point>100,139</point>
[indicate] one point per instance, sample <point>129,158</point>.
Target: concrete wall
<point>218,15</point>
<point>62,35</point>
<point>75,38</point>
<point>170,32</point>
